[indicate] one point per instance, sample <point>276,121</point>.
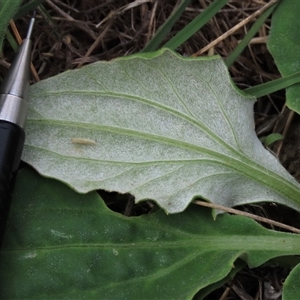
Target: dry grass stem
<point>122,10</point>
<point>95,44</point>
<point>285,130</point>
<point>81,26</point>
<point>15,31</point>
<point>245,214</point>
<point>235,28</point>
<point>259,40</point>
<point>151,28</point>
<point>19,40</point>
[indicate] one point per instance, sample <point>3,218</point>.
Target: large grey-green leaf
<point>63,245</point>
<point>164,127</point>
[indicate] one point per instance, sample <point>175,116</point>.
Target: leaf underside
<point>158,126</point>
<point>63,245</point>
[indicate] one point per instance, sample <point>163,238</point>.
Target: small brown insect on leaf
<point>83,141</point>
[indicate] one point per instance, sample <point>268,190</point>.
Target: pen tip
<point>31,23</point>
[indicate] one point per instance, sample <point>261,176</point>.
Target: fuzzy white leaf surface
<point>158,126</point>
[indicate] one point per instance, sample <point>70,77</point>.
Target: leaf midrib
<point>156,105</point>
<point>241,164</point>
<point>210,243</point>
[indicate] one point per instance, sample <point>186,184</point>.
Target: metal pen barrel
<point>13,111</point>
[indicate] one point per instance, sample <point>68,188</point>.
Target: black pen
<point>13,112</point>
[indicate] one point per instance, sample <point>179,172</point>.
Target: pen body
<point>12,139</point>
<point>13,111</point>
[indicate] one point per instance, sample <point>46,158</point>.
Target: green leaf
<point>63,245</point>
<point>284,45</point>
<point>238,265</point>
<point>271,138</point>
<point>291,286</point>
<point>158,126</point>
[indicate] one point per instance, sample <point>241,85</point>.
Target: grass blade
<point>11,41</point>
<point>8,10</point>
<point>244,43</point>
<point>166,27</point>
<point>273,86</point>
<point>195,25</point>
<point>26,8</point>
